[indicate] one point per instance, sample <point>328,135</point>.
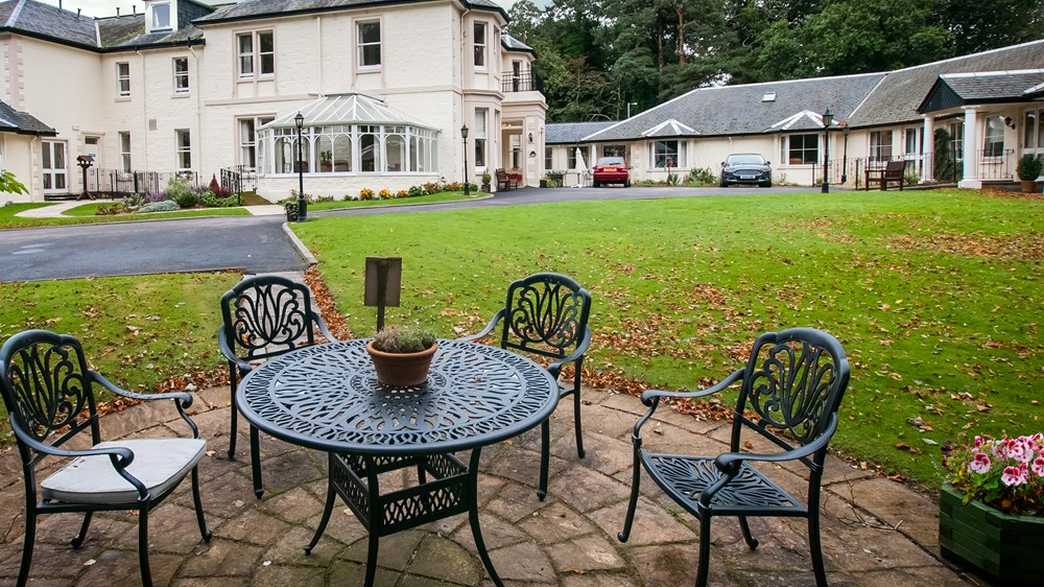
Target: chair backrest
<point>793,386</point>
<point>545,314</point>
<point>267,315</point>
<point>46,388</point>
<point>501,175</point>
<point>896,168</point>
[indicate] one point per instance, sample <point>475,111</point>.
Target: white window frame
<point>255,56</point>
<point>478,44</point>
<point>784,155</point>
<point>655,153</point>
<point>125,151</point>
<point>911,151</point>
<point>180,75</point>
<point>987,151</point>
<point>879,146</point>
<point>246,144</point>
<point>170,16</point>
<point>120,78</point>
<point>549,157</point>
<point>183,150</point>
<point>360,45</point>
<point>48,150</point>
<point>251,55</point>
<point>259,67</point>
<point>482,137</point>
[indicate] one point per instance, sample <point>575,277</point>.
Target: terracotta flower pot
<point>1029,186</point>
<point>401,369</point>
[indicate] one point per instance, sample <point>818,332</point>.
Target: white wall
<point>18,151</point>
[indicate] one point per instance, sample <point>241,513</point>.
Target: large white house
<point>989,104</point>
<point>188,87</point>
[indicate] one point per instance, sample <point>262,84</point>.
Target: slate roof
<point>567,133</point>
<point>741,109</point>
<point>12,120</point>
<point>901,93</point>
<point>512,44</point>
<point>116,33</point>
<point>993,85</point>
<point>249,9</point>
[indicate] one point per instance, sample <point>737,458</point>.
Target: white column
<point>928,150</point>
<point>971,154</point>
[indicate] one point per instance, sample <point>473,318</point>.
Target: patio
<point>888,539</point>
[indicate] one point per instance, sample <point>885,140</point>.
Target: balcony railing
<point>524,82</point>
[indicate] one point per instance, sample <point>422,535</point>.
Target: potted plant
<point>402,355</point>
<point>991,511</point>
<point>486,178</point>
<point>1029,170</point>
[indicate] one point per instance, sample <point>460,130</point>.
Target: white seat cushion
<point>159,463</point>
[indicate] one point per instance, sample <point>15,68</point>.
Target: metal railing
<point>996,164</point>
<point>118,183</point>
<point>527,81</point>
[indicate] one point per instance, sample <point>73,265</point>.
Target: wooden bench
<point>506,181</point>
<point>893,173</point>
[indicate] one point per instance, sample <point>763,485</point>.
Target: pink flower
<point>1020,450</point>
<point>1013,476</point>
<point>979,441</point>
<point>980,463</point>
<point>1000,448</point>
<point>1038,466</point>
<point>1038,439</point>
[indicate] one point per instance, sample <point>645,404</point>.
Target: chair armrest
<point>581,349</point>
<point>324,329</point>
<point>730,462</point>
<point>485,331</point>
<point>230,356</point>
<point>119,456</point>
<point>650,395</point>
<point>182,399</point>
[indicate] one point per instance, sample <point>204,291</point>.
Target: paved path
<point>58,210</point>
<point>567,541</point>
<point>251,244</point>
<point>270,210</point>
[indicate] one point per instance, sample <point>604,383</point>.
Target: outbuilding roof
<point>12,120</point>
<point>567,133</point>
<point>351,108</point>
<point>249,9</point>
<point>747,108</point>
<point>512,44</point>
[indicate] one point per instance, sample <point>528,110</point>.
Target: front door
<point>53,164</point>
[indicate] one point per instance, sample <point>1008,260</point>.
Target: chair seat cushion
<point>749,493</point>
<point>159,463</point>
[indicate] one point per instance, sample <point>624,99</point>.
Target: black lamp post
<point>464,136</point>
<point>828,119</point>
<point>302,203</point>
<point>844,158</point>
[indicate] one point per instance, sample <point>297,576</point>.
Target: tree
<point>9,184</point>
<point>525,20</point>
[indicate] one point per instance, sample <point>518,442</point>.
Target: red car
<point>612,170</point>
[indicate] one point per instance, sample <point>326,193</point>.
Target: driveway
<point>253,244</point>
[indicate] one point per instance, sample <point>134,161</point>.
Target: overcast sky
<point>108,7</point>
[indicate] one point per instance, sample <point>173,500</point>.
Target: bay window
<point>347,148</point>
<point>480,44</point>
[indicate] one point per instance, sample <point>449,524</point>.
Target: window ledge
<point>369,69</point>
<point>122,99</point>
<point>181,95</point>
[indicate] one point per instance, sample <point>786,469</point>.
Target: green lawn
<point>937,296</point>
<point>137,331</point>
<point>432,199</point>
<point>85,215</point>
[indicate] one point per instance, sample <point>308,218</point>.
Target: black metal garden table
<point>327,397</point>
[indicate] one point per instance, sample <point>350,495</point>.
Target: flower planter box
<point>1006,547</point>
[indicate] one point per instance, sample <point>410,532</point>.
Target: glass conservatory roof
<point>340,109</point>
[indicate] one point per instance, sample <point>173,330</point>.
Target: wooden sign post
<point>383,284</point>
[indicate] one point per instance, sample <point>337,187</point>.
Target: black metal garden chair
<point>263,316</point>
<point>791,389</point>
<point>49,395</point>
<point>546,314</point>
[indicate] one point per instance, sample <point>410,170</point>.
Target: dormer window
<point>161,18</point>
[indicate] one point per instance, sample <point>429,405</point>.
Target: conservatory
<point>348,141</point>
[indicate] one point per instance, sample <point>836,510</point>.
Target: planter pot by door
<point>1007,548</point>
<point>1029,186</point>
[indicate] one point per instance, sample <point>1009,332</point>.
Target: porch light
<point>464,132</point>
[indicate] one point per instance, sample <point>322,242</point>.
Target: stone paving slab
<point>875,531</point>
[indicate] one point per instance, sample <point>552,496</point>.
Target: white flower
<point>980,463</point>
<point>1038,466</point>
<point>1014,476</point>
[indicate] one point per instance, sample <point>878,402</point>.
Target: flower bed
<point>179,195</point>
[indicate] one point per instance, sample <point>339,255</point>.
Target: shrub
<point>431,188</point>
<point>111,209</point>
<point>1029,167</point>
<point>416,191</point>
<point>402,194</point>
<point>161,206</point>
<point>702,176</point>
<point>366,194</point>
<point>321,199</point>
<point>403,339</point>
<point>134,201</point>
<point>213,200</point>
<point>181,193</point>
<point>1007,474</point>
<point>486,178</point>
<point>385,193</point>
<point>153,197</point>
<point>216,189</point>
<point>672,179</point>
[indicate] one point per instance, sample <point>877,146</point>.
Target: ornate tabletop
<point>327,397</point>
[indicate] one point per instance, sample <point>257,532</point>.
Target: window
<point>994,143</point>
<point>181,75</point>
<point>266,52</point>
<point>480,44</point>
<point>957,139</point>
<point>160,16</point>
<point>910,141</point>
<point>368,148</point>
<point>1029,130</point>
<point>248,154</point>
<point>516,151</point>
<point>53,166</point>
<point>668,154</point>
<point>881,145</point>
<point>246,54</point>
<point>548,158</point>
<point>184,149</point>
<point>125,151</point>
<point>614,151</point>
<point>346,148</point>
<point>803,149</point>
<point>395,149</point>
<point>481,114</point>
<point>123,79</point>
<point>369,43</point>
